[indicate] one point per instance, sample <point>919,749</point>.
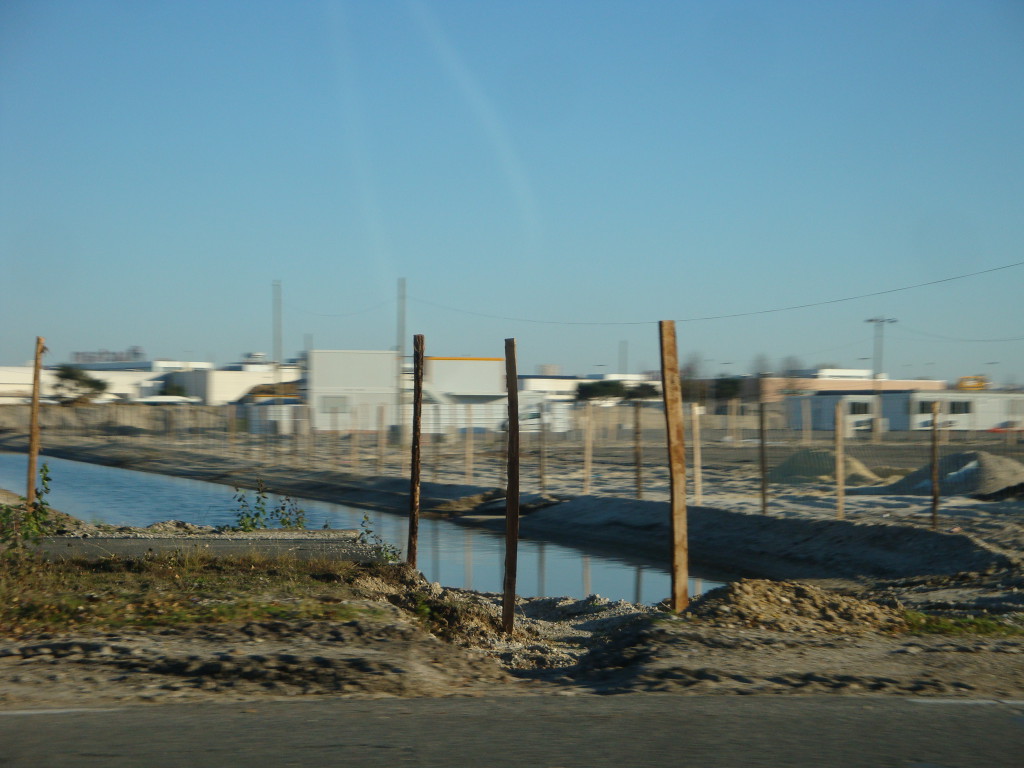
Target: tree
<point>604,388</point>
<point>790,364</point>
<point>643,391</point>
<point>76,386</point>
<point>761,365</point>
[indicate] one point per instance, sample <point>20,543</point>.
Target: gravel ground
<point>770,637</point>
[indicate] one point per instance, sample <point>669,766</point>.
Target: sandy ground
<point>779,639</point>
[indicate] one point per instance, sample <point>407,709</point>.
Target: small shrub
<point>25,523</point>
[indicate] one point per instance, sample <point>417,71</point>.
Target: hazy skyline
<point>592,167</point>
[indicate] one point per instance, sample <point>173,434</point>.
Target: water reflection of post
<point>541,568</point>
<point>638,587</point>
<point>586,576</point>
<point>435,550</point>
<point>467,558</point>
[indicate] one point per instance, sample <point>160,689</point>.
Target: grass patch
<point>925,624</point>
<point>171,590</point>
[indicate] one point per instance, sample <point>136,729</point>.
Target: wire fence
<point>617,450</point>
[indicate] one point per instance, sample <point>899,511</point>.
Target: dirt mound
<point>787,606</point>
<point>978,474</point>
<point>807,464</point>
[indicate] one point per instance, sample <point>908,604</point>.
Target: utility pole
<point>876,372</point>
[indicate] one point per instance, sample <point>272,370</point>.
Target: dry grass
<point>171,589</point>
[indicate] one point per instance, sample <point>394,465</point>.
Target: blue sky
<point>598,166</point>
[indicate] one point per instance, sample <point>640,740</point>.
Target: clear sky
<point>575,162</point>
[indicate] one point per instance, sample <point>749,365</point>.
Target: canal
<point>454,555</point>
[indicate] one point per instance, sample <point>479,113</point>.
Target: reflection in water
<point>459,556</point>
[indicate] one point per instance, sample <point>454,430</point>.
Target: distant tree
<point>642,391</point>
<point>761,364</point>
<point>171,388</point>
<point>76,386</point>
<point>790,364</point>
<point>726,387</point>
<point>604,388</point>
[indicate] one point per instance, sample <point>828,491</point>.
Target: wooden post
<point>414,474</point>
<point>382,439</point>
<point>469,444</point>
<point>588,445</point>
<point>33,427</point>
<point>840,451</point>
<point>805,419</point>
<point>935,465</point>
<point>508,599</point>
<point>762,453</point>
<point>672,394</point>
<point>698,470</point>
<point>542,465</point>
<point>353,439</point>
<point>734,415</point>
<point>638,450</point>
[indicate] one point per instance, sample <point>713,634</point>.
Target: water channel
<point>454,555</point>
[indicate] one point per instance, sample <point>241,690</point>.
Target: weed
<point>924,624</point>
<point>25,523</point>
<point>388,552</point>
<point>255,515</point>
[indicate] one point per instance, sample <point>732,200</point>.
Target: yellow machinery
<point>972,382</point>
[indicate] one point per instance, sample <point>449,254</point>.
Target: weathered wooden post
<point>698,469</point>
<point>33,428</point>
<point>935,465</point>
<point>638,450</point>
<point>840,458</point>
<point>673,399</point>
<point>762,433</point>
<point>588,445</point>
<point>508,599</point>
<point>414,474</point>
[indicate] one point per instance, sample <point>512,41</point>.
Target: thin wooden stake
<point>673,398</point>
<point>805,419</point>
<point>638,450</point>
<point>469,444</point>
<point>588,445</point>
<point>935,465</point>
<point>508,599</point>
<point>33,427</point>
<point>698,469</point>
<point>840,451</point>
<point>414,474</point>
<point>763,455</point>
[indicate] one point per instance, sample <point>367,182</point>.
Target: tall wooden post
<point>508,599</point>
<point>588,445</point>
<point>840,451</point>
<point>33,424</point>
<point>414,474</point>
<point>469,444</point>
<point>673,398</point>
<point>762,433</point>
<point>638,450</point>
<point>698,469</point>
<point>935,465</point>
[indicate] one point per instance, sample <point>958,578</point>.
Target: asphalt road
<point>541,732</point>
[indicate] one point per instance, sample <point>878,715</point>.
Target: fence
<point>613,451</point>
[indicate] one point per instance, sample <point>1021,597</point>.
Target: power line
<point>726,316</point>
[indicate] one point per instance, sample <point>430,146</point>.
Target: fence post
<point>638,450</point>
<point>414,474</point>
<point>698,470</point>
<point>588,445</point>
<point>762,434</point>
<point>508,599</point>
<point>672,394</point>
<point>935,466</point>
<point>542,464</point>
<point>33,429</point>
<point>469,444</point>
<point>840,459</point>
<point>805,420</point>
<point>734,415</point>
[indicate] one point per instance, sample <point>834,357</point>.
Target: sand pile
<point>786,606</point>
<point>809,465</point>
<point>978,474</point>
